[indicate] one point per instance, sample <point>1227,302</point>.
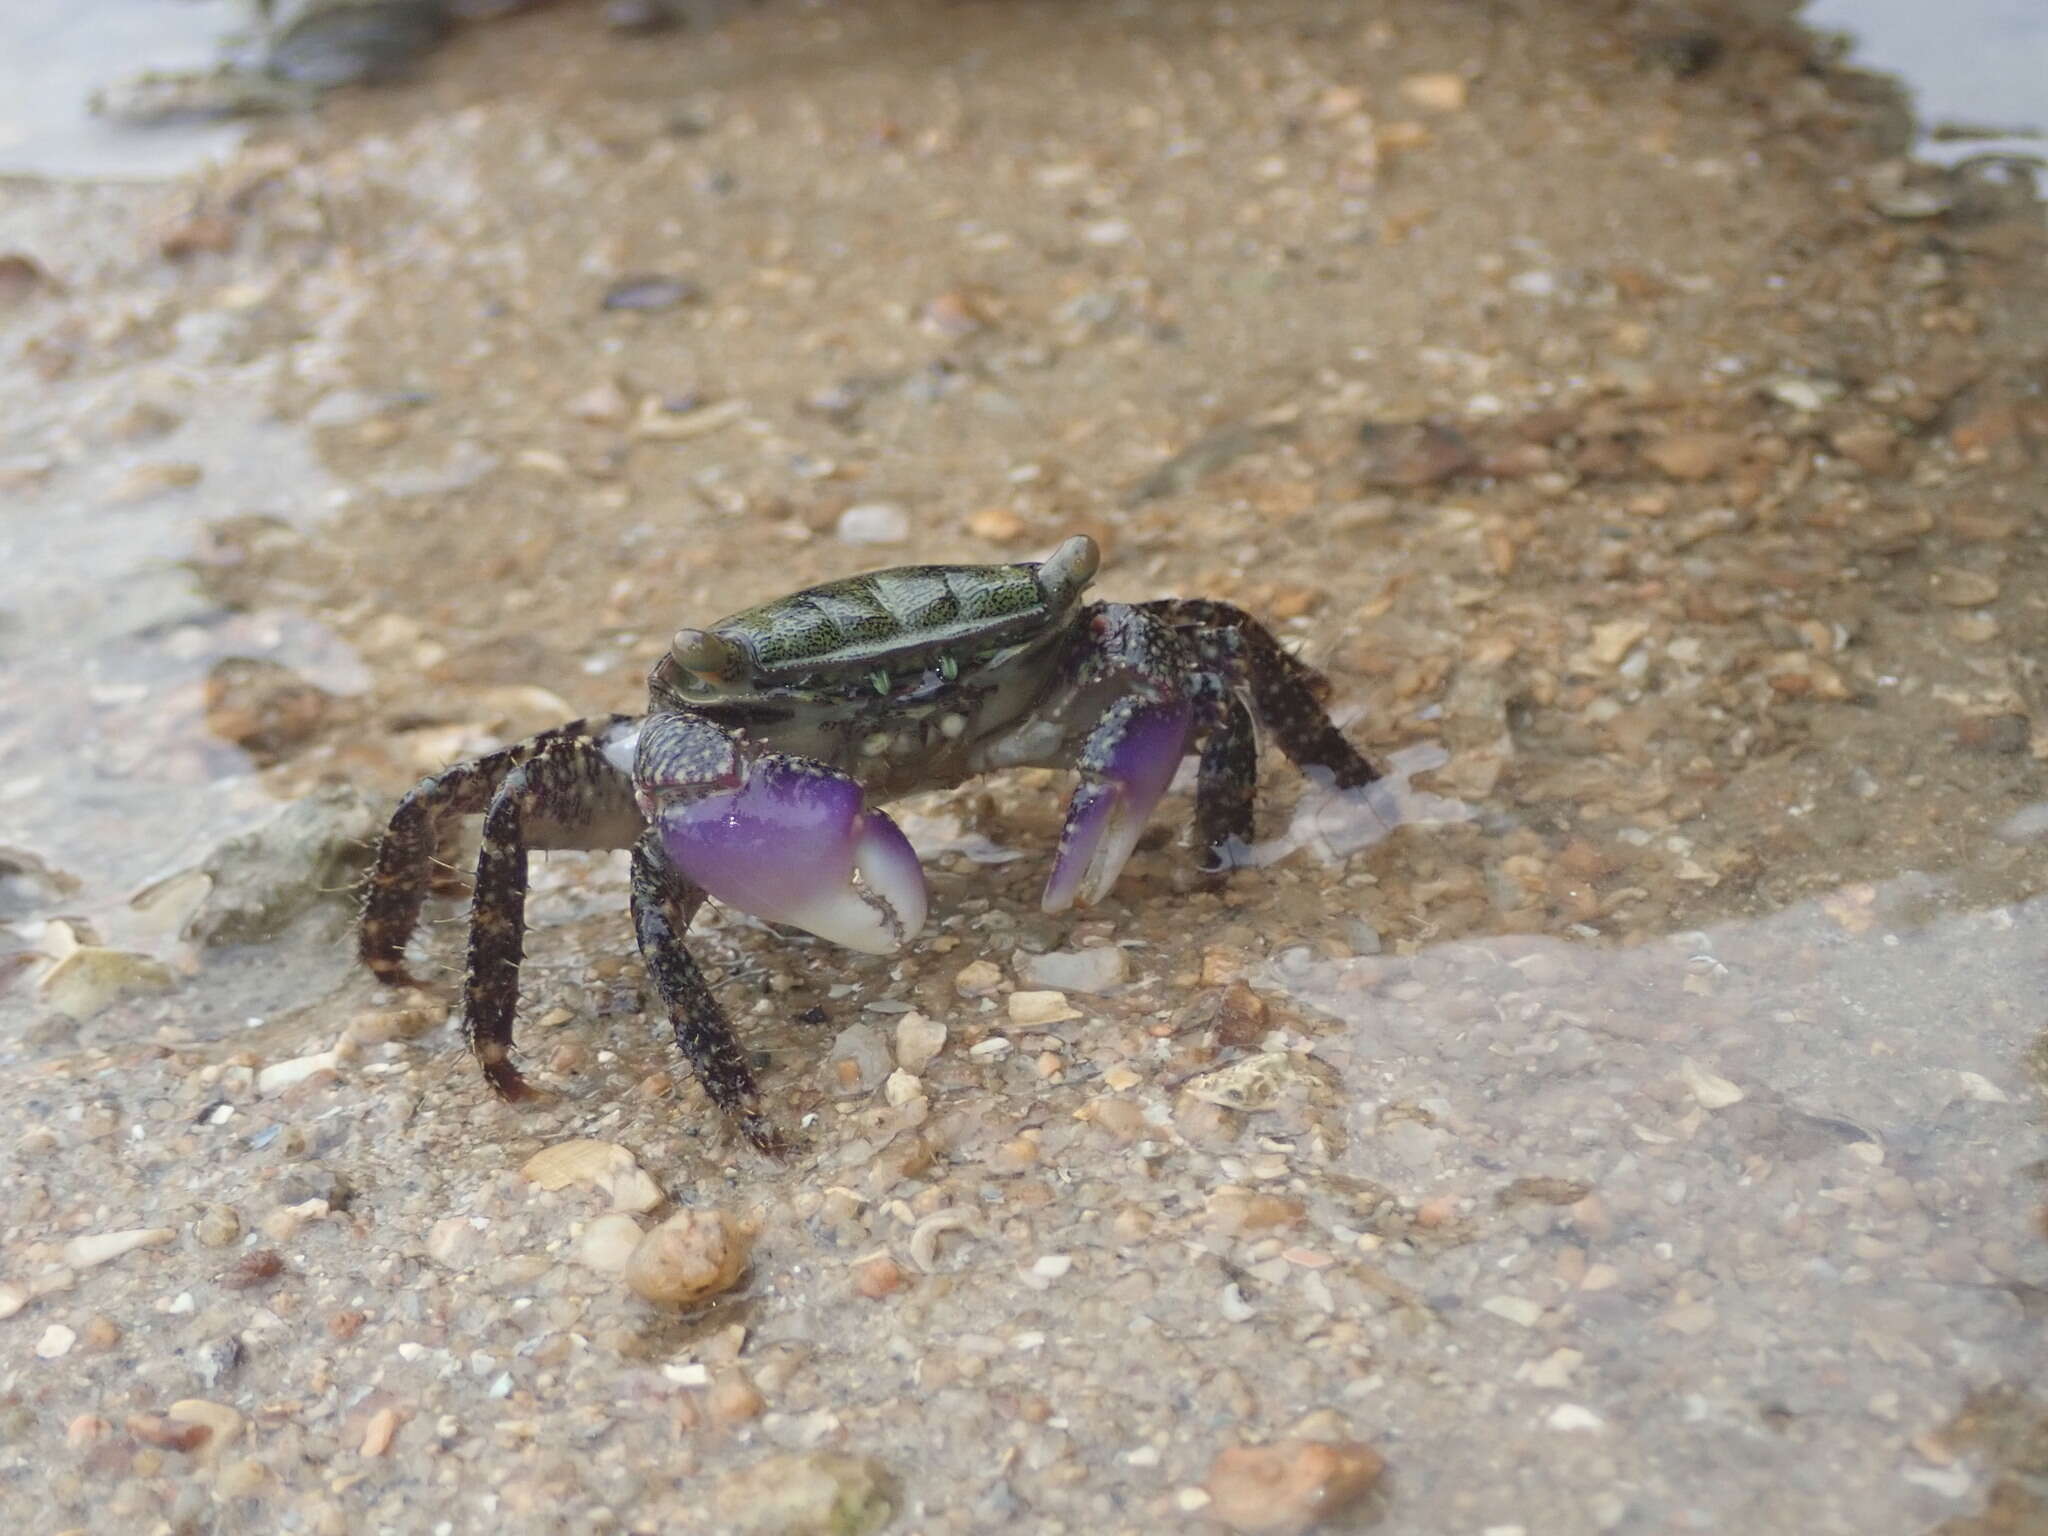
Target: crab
<point>749,778</point>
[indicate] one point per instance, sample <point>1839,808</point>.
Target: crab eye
<point>706,656</point>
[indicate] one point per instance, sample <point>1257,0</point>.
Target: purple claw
<point>1126,766</point>
<point>785,843</point>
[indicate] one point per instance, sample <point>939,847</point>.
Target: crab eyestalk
<point>784,838</point>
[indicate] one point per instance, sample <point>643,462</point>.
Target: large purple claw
<point>785,843</point>
<point>1129,760</point>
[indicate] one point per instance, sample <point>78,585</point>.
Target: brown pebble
<point>1694,455</point>
<point>733,1399</point>
<point>999,525</point>
<point>379,1431</point>
<point>1290,1486</point>
<point>689,1258</point>
<point>100,1334</point>
<point>167,1434</point>
<point>87,1429</point>
<point>343,1326</point>
<point>253,1269</point>
<point>878,1275</point>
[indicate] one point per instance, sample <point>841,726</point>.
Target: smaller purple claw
<point>1129,761</point>
<point>784,843</point>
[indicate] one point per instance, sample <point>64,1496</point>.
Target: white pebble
<point>99,1247</point>
<point>918,1040</point>
<point>1037,1008</point>
<point>1076,970</point>
<point>901,1087</point>
<point>55,1342</point>
<point>1572,1416</point>
<point>608,1242</point>
<point>1233,1306</point>
<point>12,1298</point>
<point>873,522</point>
<point>284,1074</point>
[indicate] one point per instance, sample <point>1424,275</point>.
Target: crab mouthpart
<point>795,843</point>
<point>1137,756</point>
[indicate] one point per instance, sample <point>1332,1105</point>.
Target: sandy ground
<point>1643,1137</point>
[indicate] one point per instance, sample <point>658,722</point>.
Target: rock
<point>91,979</point>
<point>1694,455</point>
<point>12,1298</point>
<point>858,1062</point>
<point>1263,1081</point>
<point>1403,455</point>
<point>604,404</point>
<point>651,294</point>
<point>453,1242</point>
<point>145,481</point>
<point>1290,1486</point>
<point>96,1248</point>
<point>266,709</point>
<point>813,1493</point>
<point>217,1226</point>
<point>223,1425</point>
<point>689,1258</point>
<point>1438,91</point>
<point>977,979</point>
<point>280,1075</point>
<point>873,522</point>
<point>607,1243</point>
<point>999,525</point>
<point>1958,588</point>
<point>1040,1008</point>
<point>918,1040</point>
<point>1075,970</point>
<point>310,853</point>
<point>602,1165</point>
<point>56,1342</point>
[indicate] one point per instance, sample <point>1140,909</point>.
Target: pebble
<point>264,708</point>
<point>166,1433</point>
<point>310,853</point>
<point>222,1423</point>
<point>602,404</point>
<point>650,294</point>
<point>279,1076</point>
<point>1437,91</point>
<point>1694,455</point>
<point>812,1493</point>
<point>1261,1081</point>
<point>733,1399</point>
<point>56,1342</point>
<point>1962,589</point>
<point>607,1243</point>
<point>977,979</point>
<point>692,1256</point>
<point>1290,1486</point>
<point>12,1298</point>
<point>217,1226</point>
<point>999,525</point>
<point>379,1431</point>
<point>101,1247</point>
<point>918,1040</point>
<point>1033,1009</point>
<point>878,1275</point>
<point>873,522</point>
<point>900,1087</point>
<point>1709,1089</point>
<point>602,1165</point>
<point>145,481</point>
<point>453,1241</point>
<point>1075,970</point>
<point>857,1063</point>
<point>91,979</point>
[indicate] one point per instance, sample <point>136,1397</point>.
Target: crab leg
<point>1286,693</point>
<point>664,901</point>
<point>785,838</point>
<point>397,887</point>
<point>1226,783</point>
<point>569,793</point>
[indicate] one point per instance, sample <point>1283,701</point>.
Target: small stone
<point>977,979</point>
<point>604,404</point>
<point>167,1434</point>
<point>694,1255</point>
<point>266,709</point>
<point>279,1076</point>
<point>1438,91</point>
<point>1571,1416</point>
<point>733,1399</point>
<point>1708,1089</point>
<point>858,1062</point>
<point>1963,589</point>
<point>601,1165</point>
<point>608,1242</point>
<point>1518,1310</point>
<point>145,481</point>
<point>217,1226</point>
<point>1611,643</point>
<point>1290,1486</point>
<point>452,1242</point>
<point>102,1247</point>
<point>1074,970</point>
<point>878,1275</point>
<point>1260,1082</point>
<point>999,525</point>
<point>379,1431</point>
<point>811,1493</point>
<point>12,1298</point>
<point>222,1423</point>
<point>918,1040</point>
<point>311,852</point>
<point>651,294</point>
<point>1869,448</point>
<point>91,979</point>
<point>257,1267</point>
<point>873,522</point>
<point>901,1087</point>
<point>1407,455</point>
<point>56,1342</point>
<point>216,1360</point>
<point>87,1429</point>
<point>1694,455</point>
<point>243,1478</point>
<point>1037,1009</point>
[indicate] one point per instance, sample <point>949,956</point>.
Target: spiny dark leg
<point>1286,692</point>
<point>561,785</point>
<point>663,904</point>
<point>397,887</point>
<point>1226,781</point>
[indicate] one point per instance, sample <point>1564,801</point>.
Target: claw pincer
<point>785,838</point>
